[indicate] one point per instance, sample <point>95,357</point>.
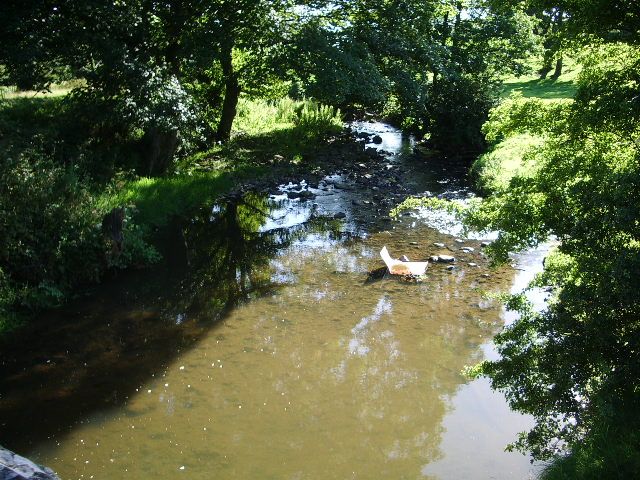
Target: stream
<point>263,347</point>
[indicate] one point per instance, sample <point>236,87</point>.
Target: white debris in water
<point>182,367</point>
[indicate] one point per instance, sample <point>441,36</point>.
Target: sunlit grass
<point>56,90</point>
<point>494,169</point>
<point>531,86</point>
<point>157,200</point>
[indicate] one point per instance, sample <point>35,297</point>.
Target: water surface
<point>265,349</point>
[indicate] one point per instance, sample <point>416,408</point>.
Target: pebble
<point>485,244</point>
<point>471,264</point>
<point>340,215</point>
<point>450,267</point>
<point>467,249</point>
<point>446,258</point>
<point>439,245</point>
<point>458,240</point>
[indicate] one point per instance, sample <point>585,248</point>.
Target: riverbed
<point>269,345</point>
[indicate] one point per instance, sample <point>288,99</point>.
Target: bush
<point>51,238</point>
<point>458,107</point>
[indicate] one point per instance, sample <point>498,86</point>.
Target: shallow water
<point>265,349</point>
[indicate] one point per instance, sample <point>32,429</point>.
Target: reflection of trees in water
<point>94,353</point>
<point>396,366</point>
<point>229,255</point>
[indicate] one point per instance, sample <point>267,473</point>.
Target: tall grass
<point>304,118</point>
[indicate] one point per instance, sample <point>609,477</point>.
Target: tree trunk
<point>547,64</point>
<point>231,96</point>
<point>558,70</point>
<point>553,47</point>
<point>160,147</point>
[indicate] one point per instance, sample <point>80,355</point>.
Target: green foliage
<point>315,120</point>
<point>481,49</point>
<point>308,117</point>
<point>494,169</point>
<point>137,251</point>
<point>519,124</point>
<point>50,237</point>
<point>432,203</point>
<point>458,107</point>
<point>606,453</point>
<point>575,366</point>
<point>334,69</point>
<point>519,115</point>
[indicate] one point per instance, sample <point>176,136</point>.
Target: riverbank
<point>510,156</point>
<point>56,204</point>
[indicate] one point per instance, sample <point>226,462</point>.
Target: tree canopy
<point>575,365</point>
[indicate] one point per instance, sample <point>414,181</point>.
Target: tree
<point>432,66</point>
<point>575,366</point>
<point>128,55</point>
<point>481,43</point>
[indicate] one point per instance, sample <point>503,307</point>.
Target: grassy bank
<point>508,156</point>
<point>58,186</point>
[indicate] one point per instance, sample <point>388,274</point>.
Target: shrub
<point>51,239</point>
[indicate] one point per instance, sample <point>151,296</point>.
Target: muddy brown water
<point>263,348</point>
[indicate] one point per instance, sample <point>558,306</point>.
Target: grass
<point>157,200</point>
<point>263,129</point>
<point>531,86</point>
<point>494,169</point>
<point>56,90</point>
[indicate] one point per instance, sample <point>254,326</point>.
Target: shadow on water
<point>96,352</point>
<point>331,369</point>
